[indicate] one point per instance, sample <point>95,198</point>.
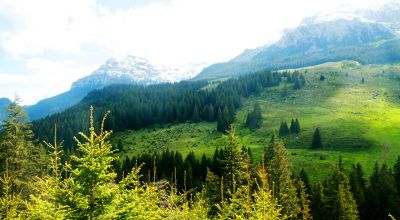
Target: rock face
<point>368,36</point>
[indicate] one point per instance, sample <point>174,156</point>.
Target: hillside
<point>313,44</point>
<point>358,121</point>
<point>130,70</point>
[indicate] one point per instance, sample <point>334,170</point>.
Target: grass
<point>359,122</point>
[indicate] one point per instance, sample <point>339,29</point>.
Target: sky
<point>46,45</point>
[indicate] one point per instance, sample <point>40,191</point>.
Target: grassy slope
<point>358,121</point>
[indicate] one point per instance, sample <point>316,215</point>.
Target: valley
<point>358,121</point>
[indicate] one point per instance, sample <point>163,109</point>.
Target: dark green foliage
<point>235,162</point>
<point>304,178</point>
<point>382,195</point>
<point>322,78</point>
<point>396,173</point>
<point>283,129</point>
<point>362,80</point>
<point>135,107</point>
<point>24,160</point>
<point>338,199</point>
<point>316,141</point>
<point>359,188</point>
<point>280,177</point>
<point>254,118</point>
<point>318,208</point>
<point>294,126</point>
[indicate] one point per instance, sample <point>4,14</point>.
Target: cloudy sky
<point>45,45</point>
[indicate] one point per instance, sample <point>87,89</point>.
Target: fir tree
<point>234,163</point>
<point>316,141</point>
<point>297,126</point>
<point>338,197</point>
<point>382,196</point>
<point>16,146</point>
<point>292,127</point>
<point>304,178</point>
<point>89,185</point>
<point>254,118</point>
<point>280,177</point>
<point>283,129</point>
<point>318,208</point>
<point>358,188</point>
<point>304,202</point>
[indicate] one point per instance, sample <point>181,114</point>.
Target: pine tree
<point>297,130</point>
<point>396,173</point>
<point>280,177</point>
<point>234,163</point>
<point>292,127</point>
<point>318,208</point>
<point>283,129</point>
<point>254,118</point>
<point>16,146</point>
<point>304,202</point>
<point>338,197</point>
<point>89,184</point>
<point>358,187</point>
<point>304,178</point>
<point>382,195</point>
<point>322,78</point>
<point>316,141</point>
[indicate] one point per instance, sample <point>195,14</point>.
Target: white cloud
<point>62,40</point>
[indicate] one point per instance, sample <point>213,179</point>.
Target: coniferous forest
<point>88,179</point>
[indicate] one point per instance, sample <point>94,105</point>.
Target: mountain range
<point>127,70</point>
<point>367,36</point>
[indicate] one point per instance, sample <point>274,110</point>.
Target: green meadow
<point>358,121</point>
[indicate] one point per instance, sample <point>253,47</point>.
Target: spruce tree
<point>89,186</point>
<point>16,146</point>
<point>318,207</point>
<point>316,141</point>
<point>304,178</point>
<point>382,195</point>
<point>280,178</point>
<point>304,202</point>
<point>235,162</point>
<point>254,118</point>
<point>297,130</point>
<point>358,188</point>
<point>292,127</point>
<point>339,200</point>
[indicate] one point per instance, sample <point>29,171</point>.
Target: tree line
<point>135,107</point>
<point>90,184</point>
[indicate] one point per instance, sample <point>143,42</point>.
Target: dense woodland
<point>135,107</point>
<point>41,182</point>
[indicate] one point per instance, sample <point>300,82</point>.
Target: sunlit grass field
<point>359,121</point>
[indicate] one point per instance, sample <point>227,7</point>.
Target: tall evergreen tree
<point>24,159</point>
<point>235,162</point>
<point>338,197</point>
<point>318,208</point>
<point>297,130</point>
<point>280,177</point>
<point>382,195</point>
<point>283,129</point>
<point>292,126</point>
<point>254,118</point>
<point>358,188</point>
<point>90,178</point>
<point>316,141</point>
